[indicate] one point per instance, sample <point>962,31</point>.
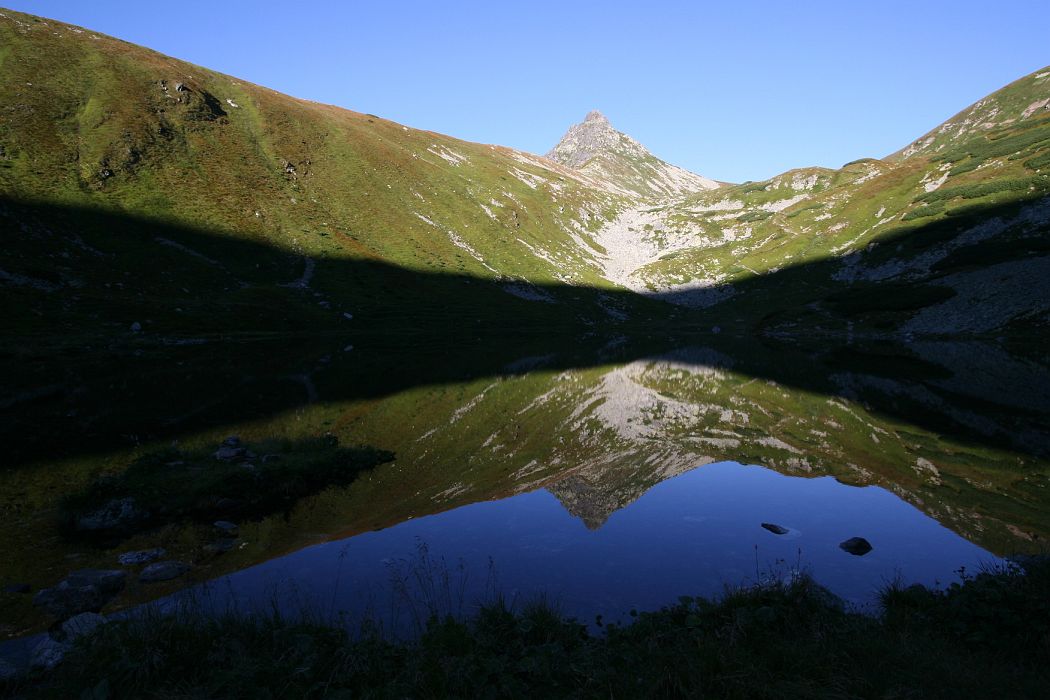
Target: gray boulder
<point>80,625</point>
<point>226,526</point>
<point>115,514</point>
<point>220,546</point>
<point>163,571</point>
<point>82,591</point>
<point>231,450</point>
<point>109,581</point>
<point>8,671</point>
<point>47,654</point>
<point>142,556</point>
<point>857,546</point>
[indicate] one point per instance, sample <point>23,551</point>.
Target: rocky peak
<point>612,157</point>
<point>595,116</point>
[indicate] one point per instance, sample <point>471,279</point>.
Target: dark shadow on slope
<point>122,330</point>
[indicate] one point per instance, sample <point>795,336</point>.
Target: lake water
<point>606,475</point>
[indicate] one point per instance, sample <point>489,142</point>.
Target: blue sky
<point>735,91</point>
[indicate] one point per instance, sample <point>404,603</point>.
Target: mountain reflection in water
<point>595,470</point>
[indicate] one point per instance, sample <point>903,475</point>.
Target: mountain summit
<point>595,148</point>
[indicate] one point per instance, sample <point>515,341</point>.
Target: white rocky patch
<point>447,154</point>
<point>1035,107</point>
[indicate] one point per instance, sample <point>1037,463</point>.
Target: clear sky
<point>733,90</point>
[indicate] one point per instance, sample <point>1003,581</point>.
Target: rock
<point>226,526</point>
<point>179,87</point>
<point>64,601</point>
<point>82,591</point>
<point>776,529</point>
<point>109,581</point>
<point>47,654</point>
<point>17,588</point>
<point>80,625</point>
<point>231,454</point>
<point>163,571</point>
<point>857,546</point>
<point>136,326</point>
<point>266,459</point>
<point>231,450</point>
<point>220,546</point>
<point>117,513</point>
<point>8,671</point>
<point>348,316</point>
<point>142,556</point>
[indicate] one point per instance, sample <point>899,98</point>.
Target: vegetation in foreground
<point>988,636</point>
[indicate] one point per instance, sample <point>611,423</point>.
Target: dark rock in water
<point>775,529</point>
<point>232,441</point>
<point>163,571</point>
<point>226,526</point>
<point>142,556</point>
<point>115,514</point>
<point>109,581</point>
<point>857,546</point>
<point>17,588</point>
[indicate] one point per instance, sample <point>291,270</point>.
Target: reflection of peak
<point>588,502</point>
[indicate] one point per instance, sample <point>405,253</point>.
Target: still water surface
<point>606,474</point>
<point>691,535</point>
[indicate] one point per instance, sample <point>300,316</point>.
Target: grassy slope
<point>95,123</point>
<point>991,156</point>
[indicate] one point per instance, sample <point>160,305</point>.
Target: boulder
<point>226,526</point>
<point>163,571</point>
<point>64,601</point>
<point>231,450</point>
<point>857,546</point>
<point>47,654</point>
<point>220,546</point>
<point>80,625</point>
<point>775,529</point>
<point>115,514</point>
<point>142,556</point>
<point>82,591</point>
<point>109,581</point>
<point>8,671</point>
